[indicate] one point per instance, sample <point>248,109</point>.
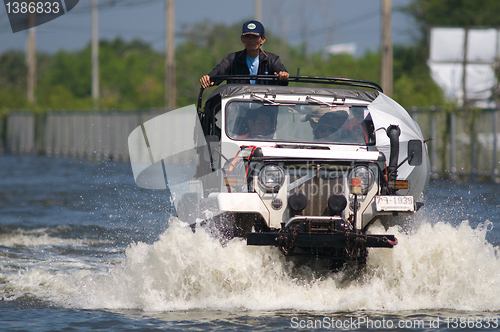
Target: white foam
<point>35,238</point>
<point>437,266</point>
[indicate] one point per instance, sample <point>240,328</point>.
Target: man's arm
<point>278,68</point>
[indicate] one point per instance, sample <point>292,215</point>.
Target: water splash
<point>434,266</point>
<point>40,237</point>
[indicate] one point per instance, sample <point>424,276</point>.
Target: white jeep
<point>305,168</point>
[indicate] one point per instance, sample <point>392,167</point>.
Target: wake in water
<point>434,266</point>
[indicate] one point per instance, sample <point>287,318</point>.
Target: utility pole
<point>31,59</point>
<point>95,55</point>
<point>386,47</point>
<point>170,88</point>
<point>258,10</point>
<point>304,27</point>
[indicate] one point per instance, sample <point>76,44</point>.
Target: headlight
<point>271,177</point>
<point>362,179</point>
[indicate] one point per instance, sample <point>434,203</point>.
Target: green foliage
<point>132,73</point>
<point>413,85</point>
<point>12,98</point>
<point>456,12</point>
<point>204,46</point>
<point>130,76</point>
<point>13,81</point>
<point>13,70</point>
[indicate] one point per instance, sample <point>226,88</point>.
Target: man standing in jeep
<point>250,61</point>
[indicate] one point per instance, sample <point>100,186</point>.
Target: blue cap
<point>253,28</point>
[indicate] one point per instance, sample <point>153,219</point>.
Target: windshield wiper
<point>253,95</point>
<point>323,102</point>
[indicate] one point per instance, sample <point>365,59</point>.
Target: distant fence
<point>84,135</point>
<point>465,143</point>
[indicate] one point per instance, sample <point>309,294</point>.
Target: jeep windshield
<point>299,123</point>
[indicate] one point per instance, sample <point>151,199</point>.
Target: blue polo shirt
<point>253,66</point>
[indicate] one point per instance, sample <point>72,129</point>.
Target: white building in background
<point>347,48</point>
<point>463,62</point>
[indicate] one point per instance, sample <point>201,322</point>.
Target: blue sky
<point>322,22</point>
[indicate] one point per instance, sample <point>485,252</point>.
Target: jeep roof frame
<point>299,79</point>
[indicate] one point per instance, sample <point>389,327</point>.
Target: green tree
<point>132,73</point>
<point>413,84</point>
<point>204,46</point>
<point>131,76</point>
<point>64,83</point>
<point>13,80</point>
<point>454,13</point>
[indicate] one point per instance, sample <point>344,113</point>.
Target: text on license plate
<point>394,203</point>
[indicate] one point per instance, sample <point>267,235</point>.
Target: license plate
<point>394,203</point>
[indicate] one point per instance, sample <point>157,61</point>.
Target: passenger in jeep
<point>260,124</point>
<point>329,123</point>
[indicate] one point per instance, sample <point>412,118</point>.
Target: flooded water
<point>83,248</point>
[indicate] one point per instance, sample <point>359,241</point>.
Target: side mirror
<point>415,152</point>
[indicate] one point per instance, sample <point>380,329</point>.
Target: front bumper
<point>308,240</point>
